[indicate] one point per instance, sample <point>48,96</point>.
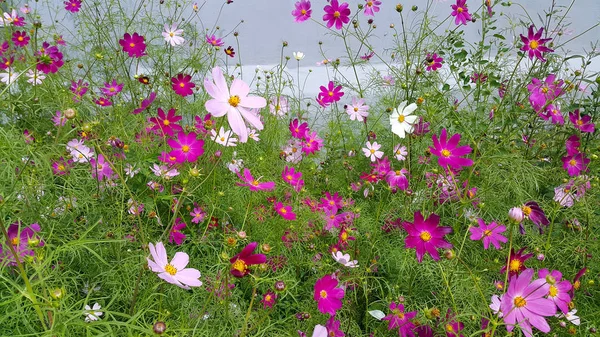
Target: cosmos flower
<point>489,233</point>
<point>453,327</point>
<point>101,168</point>
<point>461,12</point>
<point>533,44</point>
<point>298,130</point>
<point>254,184</point>
<point>172,35</point>
<point>176,235</point>
<point>112,89</point>
<point>186,147</point>
<point>331,93</point>
<point>268,299</point>
<point>575,164</point>
<point>133,45</point>
<point>402,119</point>
<point>145,104</point>
<point>293,177</point>
<point>73,6</point>
<point>214,41</point>
<point>233,102</point>
<point>516,262</point>
<point>20,38</point>
<point>336,14</point>
<point>425,236</point>
<point>400,319</point>
<point>174,272</point>
<point>358,110</point>
<point>433,62</point>
<point>182,85</point>
<point>371,7</point>
<point>240,262</point>
<point>166,124</point>
<point>93,313</point>
<point>328,295</point>
<point>559,288</point>
<point>22,239</point>
<point>372,152</point>
<point>229,51</point>
<point>448,152</point>
<point>582,123</point>
<point>344,259</point>
<point>286,212</point>
<point>302,11</point>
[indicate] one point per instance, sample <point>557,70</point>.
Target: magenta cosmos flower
<point>186,147</point>
<point>330,94</point>
<point>489,233</point>
<point>327,295</point>
<point>559,288</point>
<point>286,212</point>
<point>516,262</point>
<point>174,272</point>
<point>400,319</point>
<point>532,211</point>
<point>293,177</point>
<point>302,11</point>
<point>166,124</point>
<point>214,41</point>
<point>448,152</point>
<point>575,164</point>
<point>133,45</point>
<point>371,7</point>
<point>268,299</point>
<point>453,327</point>
<point>425,236</point>
<point>183,85</point>
<point>433,62</point>
<point>176,235</point>
<point>524,304</point>
<point>73,6</point>
<point>145,104</point>
<point>533,44</point>
<point>241,261</point>
<point>234,102</point>
<point>20,39</point>
<point>581,123</point>
<point>22,240</point>
<point>101,168</point>
<point>112,89</point>
<point>254,184</point>
<point>336,14</point>
<point>50,59</point>
<point>461,12</point>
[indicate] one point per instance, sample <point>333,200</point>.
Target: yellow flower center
<point>283,210</point>
<point>268,298</point>
<point>240,266</point>
<point>166,122</point>
<point>526,210</point>
<point>330,94</point>
<point>185,148</point>
<point>533,44</point>
<point>61,167</point>
<point>515,265</point>
<point>20,38</point>
<point>14,241</point>
<point>344,236</point>
<point>323,294</point>
<point>171,34</point>
<point>398,313</point>
<point>401,118</point>
<point>181,85</point>
<point>579,122</point>
<point>369,3</point>
<point>170,269</point>
<point>425,236</point>
<point>487,232</point>
<point>459,9</point>
<point>303,12</point>
<point>572,162</point>
<point>445,153</point>
<point>255,182</point>
<point>99,167</point>
<point>553,291</point>
<point>132,45</point>
<point>234,101</point>
<point>545,90</point>
<point>355,109</point>
<point>336,14</point>
<point>449,327</point>
<point>519,302</point>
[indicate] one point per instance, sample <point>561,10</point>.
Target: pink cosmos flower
<point>425,236</point>
<point>302,11</point>
<point>397,179</point>
<point>453,327</point>
<point>516,262</point>
<point>532,211</point>
<point>103,101</point>
<point>176,234</point>
<point>112,89</point>
<point>58,119</point>
<point>268,299</point>
<point>333,328</point>
<point>186,147</point>
<point>328,295</point>
<point>241,261</point>
<point>166,124</point>
<point>524,304</point>
<point>543,93</point>
<point>400,319</point>
<point>400,152</point>
<point>572,145</point>
<point>62,166</point>
<point>372,152</point>
<point>73,6</point>
<point>533,44</point>
<point>14,19</point>
<point>183,85</point>
<point>286,212</point>
<point>559,288</point>
<point>312,143</point>
<point>336,14</point>
<point>133,45</point>
<point>20,38</point>
<point>553,113</point>
<point>101,168</point>
<point>174,272</point>
<point>79,89</point>
<point>448,152</point>
<point>330,94</point>
<point>145,104</point>
<point>298,130</point>
<point>433,62</point>
<point>49,59</point>
<point>198,214</point>
<point>489,233</point>
<point>19,238</point>
<point>575,164</point>
<point>293,177</point>
<point>253,184</point>
<point>582,123</point>
<point>214,41</point>
<point>371,7</point>
<point>461,12</point>
<point>358,110</point>
<point>234,102</point>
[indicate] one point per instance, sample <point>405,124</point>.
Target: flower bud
<point>516,214</point>
<point>279,286</point>
<point>159,327</point>
<point>70,113</point>
<point>399,8</point>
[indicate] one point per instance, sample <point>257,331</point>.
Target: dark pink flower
<point>50,59</point>
<point>21,239</point>
<point>176,235</point>
<point>559,288</point>
<point>333,328</point>
<point>73,6</point>
<point>183,85</point>
<point>268,299</point>
<point>166,124</point>
<point>198,214</point>
<point>133,45</point>
<point>328,295</point>
<point>543,93</point>
<point>336,14</point>
<point>103,101</point>
<point>448,152</point>
<point>489,233</point>
<point>101,168</point>
<point>241,261</point>
<point>293,177</point>
<point>286,212</point>
<point>532,211</point>
<point>397,179</point>
<point>582,123</point>
<point>298,130</point>
<point>400,319</point>
<point>312,143</point>
<point>575,164</point>
<point>461,12</point>
<point>553,113</point>
<point>79,89</point>
<point>145,104</point>
<point>433,62</point>
<point>254,184</point>
<point>20,38</point>
<point>112,89</point>
<point>572,145</point>
<point>516,262</point>
<point>533,44</point>
<point>214,41</point>
<point>331,94</point>
<point>186,147</point>
<point>453,327</point>
<point>425,236</point>
<point>62,166</point>
<point>302,11</point>
<point>372,7</point>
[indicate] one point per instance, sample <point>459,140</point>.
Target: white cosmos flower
<point>173,35</point>
<point>298,55</point>
<point>224,138</point>
<point>35,77</point>
<point>344,259</point>
<point>401,119</point>
<point>93,313</point>
<point>9,76</point>
<point>571,317</point>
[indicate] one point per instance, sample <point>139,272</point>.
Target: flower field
<point>154,184</point>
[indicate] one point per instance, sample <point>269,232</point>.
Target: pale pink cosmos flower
<point>172,35</point>
<point>344,259</point>
<point>233,102</point>
<point>164,171</point>
<point>358,110</point>
<point>400,152</point>
<point>372,151</point>
<point>174,272</point>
